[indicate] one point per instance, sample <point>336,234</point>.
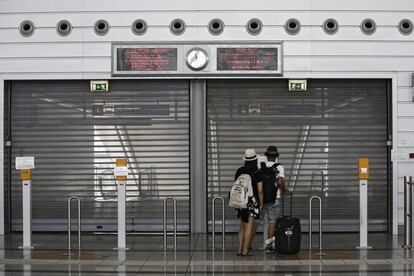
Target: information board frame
<point>210,71</point>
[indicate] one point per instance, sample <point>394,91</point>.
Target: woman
<point>247,215</point>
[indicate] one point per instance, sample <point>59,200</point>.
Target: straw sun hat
<point>249,155</point>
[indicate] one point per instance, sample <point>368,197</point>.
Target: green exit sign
<point>297,85</point>
<point>99,86</point>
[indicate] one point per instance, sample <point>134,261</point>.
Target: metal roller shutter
<point>76,135</point>
<point>320,135</point>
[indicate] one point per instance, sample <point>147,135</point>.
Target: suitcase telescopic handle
<point>283,203</point>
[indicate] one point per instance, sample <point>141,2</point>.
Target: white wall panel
<point>39,5</point>
<point>51,5</point>
<point>24,50</point>
<point>404,78</point>
<point>297,63</point>
<point>405,169</point>
<point>99,64</point>
<point>405,94</point>
<point>363,63</point>
<point>405,140</point>
<point>27,65</point>
<point>40,35</point>
<point>97,49</point>
<point>405,124</point>
<point>141,5</point>
<point>406,109</point>
<point>349,48</point>
<point>400,5</point>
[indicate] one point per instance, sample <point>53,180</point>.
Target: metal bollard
<point>223,227</point>
<point>175,221</point>
<point>69,221</point>
<point>408,189</point>
<point>320,224</point>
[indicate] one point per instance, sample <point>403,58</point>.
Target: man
<point>271,208</point>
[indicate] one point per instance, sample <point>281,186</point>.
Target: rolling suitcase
<point>288,232</point>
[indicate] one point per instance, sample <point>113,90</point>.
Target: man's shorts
<point>271,211</point>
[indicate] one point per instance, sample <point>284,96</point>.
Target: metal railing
<point>408,219</point>
<point>320,224</point>
<point>223,222</point>
<point>322,174</point>
<point>165,221</point>
<point>70,224</point>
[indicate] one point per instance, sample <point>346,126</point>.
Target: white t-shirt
<point>280,169</point>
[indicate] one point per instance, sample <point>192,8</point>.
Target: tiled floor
<point>195,257</point>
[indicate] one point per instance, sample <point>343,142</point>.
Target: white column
<point>27,213</point>
<point>121,214</point>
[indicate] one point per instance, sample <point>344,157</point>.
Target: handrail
<point>408,190</point>
<point>165,221</point>
<point>321,172</point>
<point>222,221</point>
<point>69,221</point>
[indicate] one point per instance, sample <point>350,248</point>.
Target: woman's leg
<point>254,230</point>
<point>241,235</point>
<point>248,229</point>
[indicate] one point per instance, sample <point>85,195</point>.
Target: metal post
<point>320,224</point>
<point>165,221</point>
<point>27,214</point>
<point>407,213</point>
<point>69,221</point>
<point>223,225</point>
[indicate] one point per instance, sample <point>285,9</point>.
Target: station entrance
<point>320,135</point>
<point>76,136</point>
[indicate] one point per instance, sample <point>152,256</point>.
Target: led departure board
<point>171,60</point>
<point>247,59</point>
<point>146,59</point>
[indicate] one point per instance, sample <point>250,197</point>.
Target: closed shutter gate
<point>320,135</point>
<point>76,136</point>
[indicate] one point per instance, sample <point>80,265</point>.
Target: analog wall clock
<point>196,59</point>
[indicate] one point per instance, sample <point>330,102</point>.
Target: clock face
<point>197,59</point>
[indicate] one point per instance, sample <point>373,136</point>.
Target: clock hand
<point>194,58</point>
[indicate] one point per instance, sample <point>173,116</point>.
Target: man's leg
<point>271,230</point>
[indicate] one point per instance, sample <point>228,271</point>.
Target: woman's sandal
<point>247,253</point>
<point>238,252</point>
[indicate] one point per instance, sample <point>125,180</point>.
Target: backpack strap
<point>274,167</point>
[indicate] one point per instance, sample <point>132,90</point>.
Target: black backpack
<point>269,183</point>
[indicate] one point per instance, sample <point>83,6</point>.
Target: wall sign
<point>298,85</point>
<point>25,163</point>
<point>197,59</point>
<point>99,86</point>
